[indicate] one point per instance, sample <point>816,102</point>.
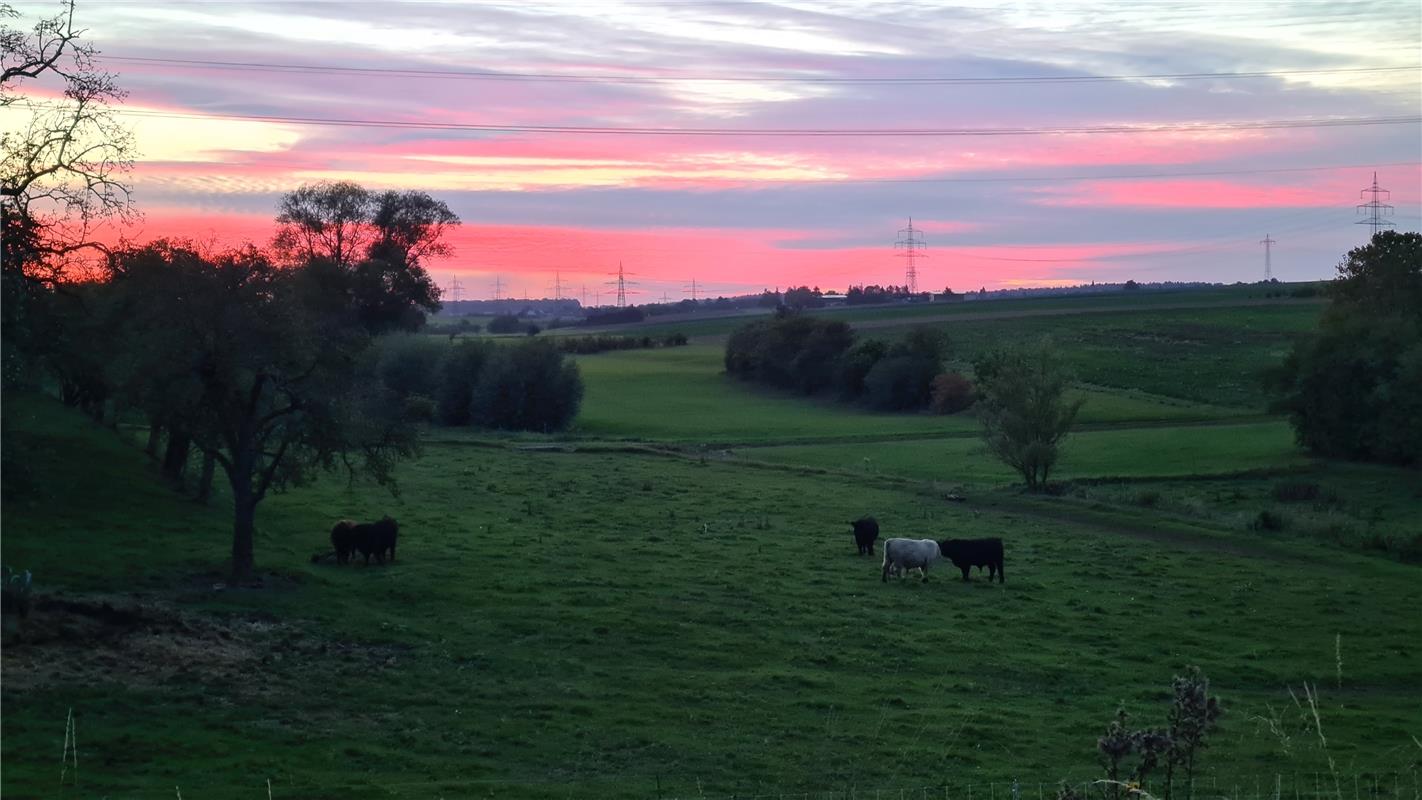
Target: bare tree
<point>63,167</point>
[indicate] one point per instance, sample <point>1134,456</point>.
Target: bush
<point>532,329</point>
<point>675,340</point>
<point>505,323</point>
<point>1296,491</point>
<point>530,386</point>
<point>1268,521</point>
<point>1148,499</point>
<point>409,365</point>
<point>458,376</point>
<point>856,364</point>
<point>420,408</point>
<point>790,352</point>
<point>951,393</point>
<point>898,383</point>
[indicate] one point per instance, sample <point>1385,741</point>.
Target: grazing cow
<point>375,538</point>
<point>902,555</point>
<point>968,553</point>
<point>866,530</point>
<point>343,539</point>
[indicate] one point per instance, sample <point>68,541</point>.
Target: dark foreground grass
<point>611,625</point>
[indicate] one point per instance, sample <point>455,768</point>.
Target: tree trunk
<point>155,434</point>
<point>244,507</point>
<point>204,487</point>
<point>175,457</point>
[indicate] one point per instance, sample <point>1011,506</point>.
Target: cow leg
<point>392,553</point>
<point>1001,573</point>
<point>884,578</point>
<point>966,570</point>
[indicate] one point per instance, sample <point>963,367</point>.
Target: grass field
<point>668,604</point>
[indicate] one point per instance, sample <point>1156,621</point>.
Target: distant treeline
<point>587,345</point>
<point>527,386</point>
<point>811,355</point>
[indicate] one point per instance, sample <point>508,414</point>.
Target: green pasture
<point>682,394</point>
<point>1158,451</point>
<point>604,624</point>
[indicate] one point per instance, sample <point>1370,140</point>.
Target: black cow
<point>343,539</point>
<point>968,553</point>
<point>375,538</point>
<point>866,530</point>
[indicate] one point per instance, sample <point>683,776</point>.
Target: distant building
<point>833,298</point>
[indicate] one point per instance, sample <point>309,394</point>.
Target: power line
<point>946,80</point>
<point>810,132</point>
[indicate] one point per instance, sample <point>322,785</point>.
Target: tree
<point>1023,409</point>
<point>258,373</point>
<point>62,171</point>
<point>1354,389</point>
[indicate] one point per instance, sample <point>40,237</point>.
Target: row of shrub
<point>811,355</point>
<point>530,385</point>
<point>587,345</point>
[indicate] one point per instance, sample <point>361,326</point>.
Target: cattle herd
<point>367,538</point>
<point>902,555</point>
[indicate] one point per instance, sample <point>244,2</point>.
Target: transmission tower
<point>622,283</point>
<point>693,290</point>
<point>456,289</point>
<point>911,244</point>
<point>498,287</point>
<point>585,295</point>
<point>1375,208</point>
<point>557,286</point>
<point>1268,264</point>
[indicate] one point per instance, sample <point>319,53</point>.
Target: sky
<point>820,129</point>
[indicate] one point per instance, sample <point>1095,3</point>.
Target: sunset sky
<point>1151,200</point>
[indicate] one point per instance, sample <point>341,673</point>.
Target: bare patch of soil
<point>94,639</point>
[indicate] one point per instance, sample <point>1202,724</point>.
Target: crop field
<point>666,602</point>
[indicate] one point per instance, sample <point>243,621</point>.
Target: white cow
<point>901,555</point>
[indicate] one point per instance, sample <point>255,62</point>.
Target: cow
<point>902,555</point>
<point>968,553</point>
<point>375,538</point>
<point>866,531</point>
<point>343,539</point>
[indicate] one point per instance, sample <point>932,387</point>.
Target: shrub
<point>951,393</point>
<point>530,386</point>
<point>1268,521</point>
<point>420,408</point>
<point>1024,410</point>
<point>675,340</point>
<point>899,382</point>
<point>409,365</point>
<point>1296,491</point>
<point>458,376</point>
<point>856,364</point>
<point>16,592</point>
<point>532,329</point>
<point>505,323</point>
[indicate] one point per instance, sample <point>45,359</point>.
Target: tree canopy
<point>1354,388</point>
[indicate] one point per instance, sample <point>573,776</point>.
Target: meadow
<point>666,602</point>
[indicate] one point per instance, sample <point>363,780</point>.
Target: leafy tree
<point>856,365</point>
<point>505,323</point>
<point>256,374</point>
<point>1023,408</point>
<point>529,386</point>
<point>458,375</point>
<point>1354,389</point>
